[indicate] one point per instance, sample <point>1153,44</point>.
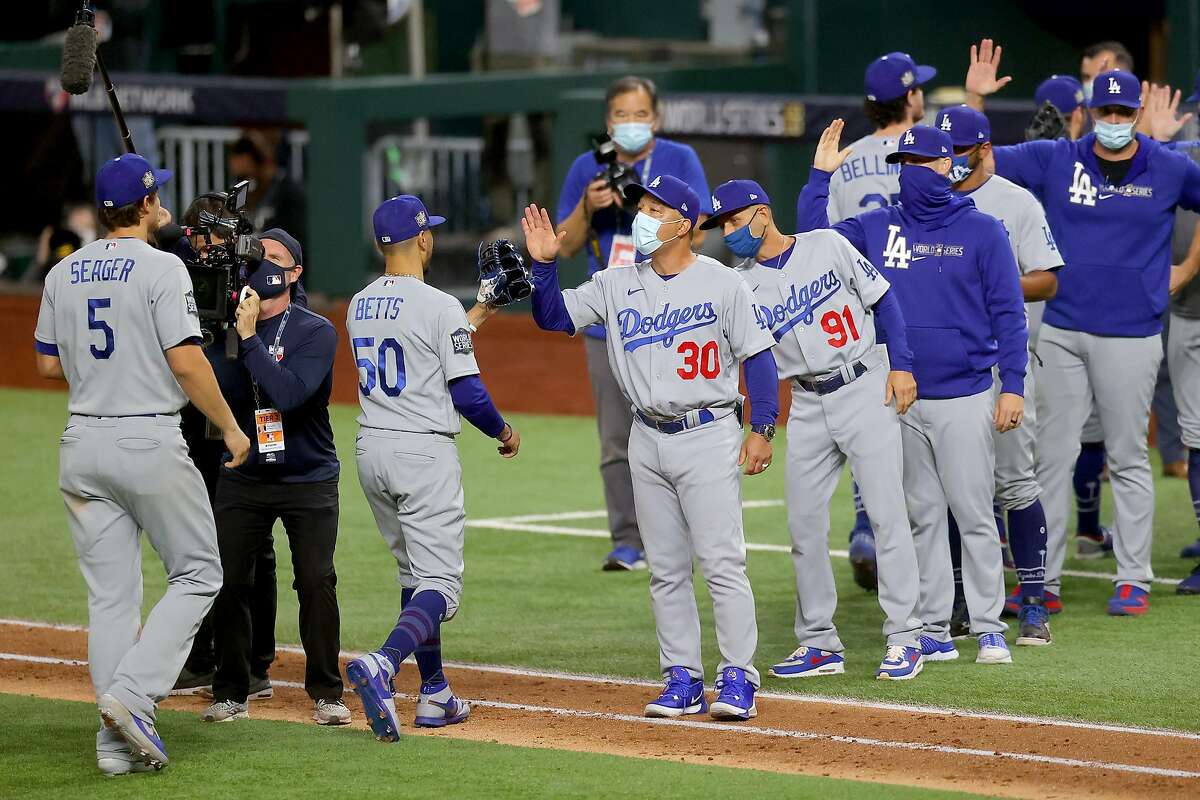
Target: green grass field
<point>541,600</point>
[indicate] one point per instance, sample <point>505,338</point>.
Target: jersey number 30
<point>377,371</point>
<point>699,360</point>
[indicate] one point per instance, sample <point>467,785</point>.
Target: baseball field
<point>559,658</point>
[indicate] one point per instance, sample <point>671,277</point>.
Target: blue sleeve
<point>693,175</point>
<point>1006,308</point>
<point>1189,193</point>
<point>45,348</point>
<point>762,385</point>
<point>1025,164</point>
<point>288,387</point>
<point>812,212</point>
<point>895,334</point>
<point>471,399</point>
<point>574,185</point>
<point>549,309</point>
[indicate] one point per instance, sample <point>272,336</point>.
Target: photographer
<point>278,388</point>
<point>593,215</point>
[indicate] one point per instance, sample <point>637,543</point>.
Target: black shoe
<point>960,619</point>
<point>1190,584</point>
<point>193,683</point>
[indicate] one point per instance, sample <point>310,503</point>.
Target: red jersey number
<point>699,360</point>
<point>840,327</point>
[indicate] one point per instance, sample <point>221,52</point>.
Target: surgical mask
<point>645,233</point>
<point>631,137</point>
<point>960,168</point>
<point>268,280</point>
<point>744,244</point>
<point>1114,135</point>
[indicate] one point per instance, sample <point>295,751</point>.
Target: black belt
<point>121,416</point>
<point>829,385</point>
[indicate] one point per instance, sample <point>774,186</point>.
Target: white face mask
<point>645,232</point>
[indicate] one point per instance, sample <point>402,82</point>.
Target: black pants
<point>206,455</point>
<point>246,512</point>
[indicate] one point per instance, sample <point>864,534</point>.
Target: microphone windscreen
<point>79,58</point>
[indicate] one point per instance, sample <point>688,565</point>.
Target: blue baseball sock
<point>1194,479</point>
<point>862,523</point>
<point>955,553</point>
<point>429,654</point>
<point>420,619</point>
<point>1027,541</point>
<point>1088,467</point>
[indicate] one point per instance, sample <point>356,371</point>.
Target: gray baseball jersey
<point>1024,221</point>
<point>865,181</point>
<point>675,344</point>
<point>409,340</point>
<point>817,304</point>
<point>109,310</point>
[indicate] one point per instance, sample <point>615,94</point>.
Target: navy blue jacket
<point>958,286</point>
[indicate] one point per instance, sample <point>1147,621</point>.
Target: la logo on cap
<point>909,138</point>
<point>1113,86</point>
<point>946,122</point>
<point>654,183</point>
<point>421,219</point>
<point>716,203</point>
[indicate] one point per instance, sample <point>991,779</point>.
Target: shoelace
<point>894,652</point>
<point>1035,615</point>
<point>800,653</point>
<point>732,692</point>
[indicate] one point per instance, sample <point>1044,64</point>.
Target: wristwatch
<point>765,431</point>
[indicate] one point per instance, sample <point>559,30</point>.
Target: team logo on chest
<point>800,305</point>
<point>663,326</point>
<point>1082,191</point>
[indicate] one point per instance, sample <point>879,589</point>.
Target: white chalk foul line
<point>946,711</point>
<point>530,523</point>
<point>753,730</point>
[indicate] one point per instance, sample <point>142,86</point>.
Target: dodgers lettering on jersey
<point>817,303</point>
<point>679,341</point>
<point>109,311</point>
<point>409,341</point>
<point>865,181</point>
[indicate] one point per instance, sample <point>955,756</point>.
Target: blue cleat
<point>141,736</point>
<point>735,696</point>
<point>935,650</point>
<point>1191,551</point>
<point>437,707</point>
<point>624,558</point>
<point>1129,601</point>
<point>809,662</point>
<point>1190,584</point>
<point>862,559</point>
<point>371,679</point>
<point>682,695</point>
<point>900,663</point>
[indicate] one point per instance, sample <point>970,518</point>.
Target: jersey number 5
<point>110,340</point>
<point>368,370</point>
<point>840,327</point>
<point>699,360</point>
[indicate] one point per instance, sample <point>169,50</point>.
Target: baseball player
<point>953,272</point>
<point>417,374</point>
<point>894,102</point>
<point>1038,258</point>
<point>679,324</point>
<point>1110,198</point>
<point>118,323</point>
<point>818,297</point>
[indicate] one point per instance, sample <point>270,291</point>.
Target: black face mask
<point>268,279</point>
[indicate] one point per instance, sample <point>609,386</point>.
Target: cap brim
<point>434,219</point>
<point>925,73</point>
<point>1193,97</point>
<point>718,219</point>
<point>161,176</point>
<point>893,158</point>
<point>1101,102</point>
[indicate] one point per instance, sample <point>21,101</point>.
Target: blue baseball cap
<point>1116,88</point>
<point>401,218</point>
<point>671,191</point>
<point>964,125</point>
<point>1064,93</point>
<point>1195,95</point>
<point>922,140</point>
<point>731,197</point>
<point>890,76</point>
<point>289,242</point>
<point>127,179</point>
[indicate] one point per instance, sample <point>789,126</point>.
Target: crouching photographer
<point>278,387</point>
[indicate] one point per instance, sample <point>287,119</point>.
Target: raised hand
<point>828,157</point>
<point>982,69</point>
<point>540,239</point>
<point>1160,114</point>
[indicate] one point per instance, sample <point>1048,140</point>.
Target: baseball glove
<point>503,276</point>
<point>1047,123</point>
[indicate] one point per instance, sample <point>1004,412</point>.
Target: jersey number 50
<point>368,370</point>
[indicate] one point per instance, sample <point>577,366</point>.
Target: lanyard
<point>274,349</point>
<point>646,173</point>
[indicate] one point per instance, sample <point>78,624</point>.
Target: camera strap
<point>268,422</point>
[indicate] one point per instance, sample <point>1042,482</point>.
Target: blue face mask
<point>1114,135</point>
<point>960,168</point>
<point>631,137</point>
<point>744,244</point>
<point>268,280</point>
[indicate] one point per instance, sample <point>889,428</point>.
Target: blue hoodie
<point>1116,241</point>
<point>953,271</point>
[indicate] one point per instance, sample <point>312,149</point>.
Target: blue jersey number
<point>110,342</point>
<point>878,200</point>
<point>377,371</point>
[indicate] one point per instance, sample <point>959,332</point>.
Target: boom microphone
<point>79,53</point>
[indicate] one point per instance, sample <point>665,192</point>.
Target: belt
<point>845,375</point>
<point>679,425</point>
<point>118,416</point>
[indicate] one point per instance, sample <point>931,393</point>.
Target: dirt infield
<point>1029,759</point>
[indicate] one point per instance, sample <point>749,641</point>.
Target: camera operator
<point>278,388</point>
<point>593,216</point>
<point>206,452</point>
